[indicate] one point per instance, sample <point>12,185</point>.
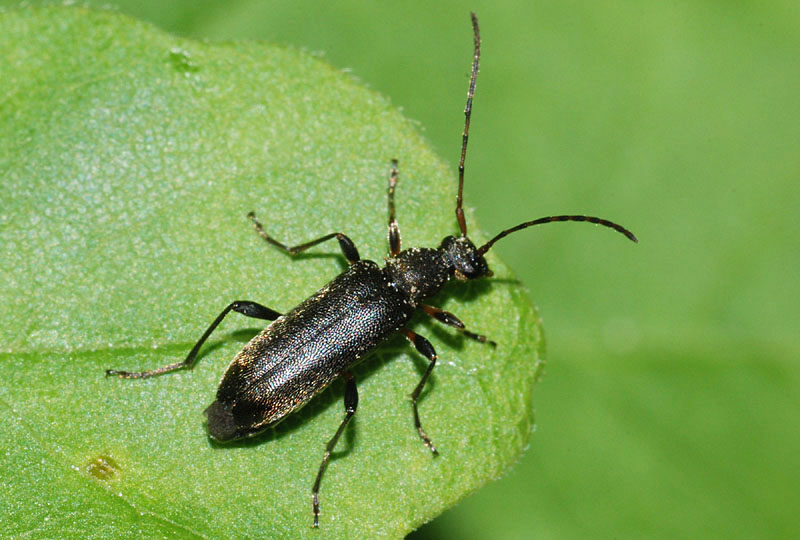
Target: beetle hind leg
<point>245,307</point>
<point>350,405</point>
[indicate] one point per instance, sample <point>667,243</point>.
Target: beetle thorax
<point>419,272</point>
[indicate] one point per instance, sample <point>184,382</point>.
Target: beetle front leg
<point>451,320</point>
<point>425,348</point>
<point>245,307</point>
<point>394,229</point>
<point>350,404</point>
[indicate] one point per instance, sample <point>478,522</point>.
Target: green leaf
<point>129,161</point>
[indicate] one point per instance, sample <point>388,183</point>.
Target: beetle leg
<point>245,307</point>
<point>350,404</point>
<point>394,230</point>
<point>347,246</point>
<point>425,348</point>
<point>448,318</point>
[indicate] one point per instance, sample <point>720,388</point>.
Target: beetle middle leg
<point>350,405</point>
<point>245,307</point>
<point>425,348</point>
<point>347,246</point>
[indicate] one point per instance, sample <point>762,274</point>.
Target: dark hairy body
<point>302,352</point>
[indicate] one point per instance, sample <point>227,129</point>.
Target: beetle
<point>304,350</point>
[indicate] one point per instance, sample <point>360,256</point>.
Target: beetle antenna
<point>589,219</point>
<point>465,136</point>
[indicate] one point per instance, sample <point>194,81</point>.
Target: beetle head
<point>467,262</point>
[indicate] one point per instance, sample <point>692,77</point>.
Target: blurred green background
<point>670,405</point>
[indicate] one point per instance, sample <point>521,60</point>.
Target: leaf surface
<point>130,160</point>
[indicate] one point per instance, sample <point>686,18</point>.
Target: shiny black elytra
<point>303,351</point>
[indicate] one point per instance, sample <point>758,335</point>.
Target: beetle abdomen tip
<point>221,425</point>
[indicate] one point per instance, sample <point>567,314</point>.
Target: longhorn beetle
<point>301,352</point>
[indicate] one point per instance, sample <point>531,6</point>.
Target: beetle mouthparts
<point>221,425</point>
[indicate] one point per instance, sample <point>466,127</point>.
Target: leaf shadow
<point>304,256</point>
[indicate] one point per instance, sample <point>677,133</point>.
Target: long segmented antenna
<point>462,223</point>
<point>589,219</point>
<point>465,137</point>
